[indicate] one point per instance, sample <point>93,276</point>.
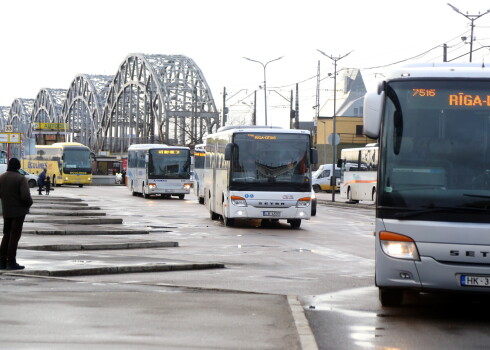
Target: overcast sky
<point>47,43</point>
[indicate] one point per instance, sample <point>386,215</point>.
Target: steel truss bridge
<point>151,99</point>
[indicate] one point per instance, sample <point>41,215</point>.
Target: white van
<point>323,176</point>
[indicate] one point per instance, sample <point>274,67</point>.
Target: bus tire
<point>80,186</point>
<point>143,190</point>
<point>213,215</point>
<point>295,223</point>
<point>390,296</point>
<point>228,221</point>
<point>373,196</point>
<point>317,188</point>
<point>201,200</point>
<point>132,189</point>
<point>181,196</point>
<point>349,196</point>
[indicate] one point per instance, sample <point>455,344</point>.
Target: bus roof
<point>439,70</point>
<point>259,129</point>
<point>148,146</point>
<point>63,144</point>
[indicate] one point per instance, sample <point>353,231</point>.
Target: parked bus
<point>67,163</point>
<point>157,169</point>
<point>199,159</point>
<point>433,202</point>
<point>322,178</point>
<point>359,173</point>
<point>259,173</point>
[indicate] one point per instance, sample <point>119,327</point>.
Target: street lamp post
<point>334,134</point>
<point>265,81</point>
<point>472,18</point>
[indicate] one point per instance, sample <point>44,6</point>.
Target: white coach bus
<point>359,173</point>
<point>157,169</point>
<point>433,201</point>
<point>259,173</point>
<point>199,159</point>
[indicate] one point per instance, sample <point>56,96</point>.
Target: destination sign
<point>262,137</point>
<point>168,151</point>
<point>456,99</point>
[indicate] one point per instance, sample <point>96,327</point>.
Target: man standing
<point>40,180</point>
<point>16,201</point>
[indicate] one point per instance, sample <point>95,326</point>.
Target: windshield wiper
<point>431,210</point>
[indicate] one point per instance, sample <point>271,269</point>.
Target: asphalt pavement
<point>65,237</point>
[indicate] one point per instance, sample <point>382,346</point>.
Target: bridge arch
<point>157,98</point>
<point>84,106</point>
<point>47,107</point>
<point>20,115</point>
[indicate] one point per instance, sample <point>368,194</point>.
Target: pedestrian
<point>16,201</point>
<point>123,177</point>
<point>48,184</point>
<point>41,180</point>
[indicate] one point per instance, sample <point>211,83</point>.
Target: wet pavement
<point>65,237</point>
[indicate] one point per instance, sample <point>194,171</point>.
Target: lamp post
<point>334,134</point>
<point>472,18</point>
<point>265,81</point>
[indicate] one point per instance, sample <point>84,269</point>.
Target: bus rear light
<point>303,202</point>
<point>398,246</point>
<point>238,201</point>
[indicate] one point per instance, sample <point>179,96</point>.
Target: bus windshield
<point>436,142</point>
<point>274,161</point>
<point>76,160</point>
<point>169,164</point>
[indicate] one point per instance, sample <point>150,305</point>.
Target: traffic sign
<point>9,128</point>
<point>331,139</point>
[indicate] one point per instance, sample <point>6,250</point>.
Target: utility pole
<point>334,134</point>
<point>444,53</point>
<point>254,119</point>
<point>223,119</point>
<point>296,111</point>
<point>472,18</point>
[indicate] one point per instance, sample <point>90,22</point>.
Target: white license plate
<point>272,213</point>
<point>475,281</point>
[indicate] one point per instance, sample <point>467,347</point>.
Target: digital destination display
<point>456,99</point>
<point>262,137</point>
<point>168,151</point>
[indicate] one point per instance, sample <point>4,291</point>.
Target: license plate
<point>475,281</point>
<point>272,213</point>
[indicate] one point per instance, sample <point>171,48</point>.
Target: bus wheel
<point>349,196</point>
<point>80,186</point>
<point>146,195</point>
<point>316,188</point>
<point>374,195</point>
<point>201,200</point>
<point>213,215</point>
<point>181,196</point>
<point>295,223</point>
<point>390,297</point>
<point>132,189</point>
<point>228,221</point>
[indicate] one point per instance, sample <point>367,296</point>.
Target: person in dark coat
<point>48,184</point>
<point>41,181</point>
<point>16,201</point>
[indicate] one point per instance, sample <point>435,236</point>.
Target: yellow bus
<point>67,163</point>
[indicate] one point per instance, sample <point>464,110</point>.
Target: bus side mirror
<point>339,163</point>
<point>314,155</point>
<point>147,158</point>
<point>228,150</point>
<point>373,107</point>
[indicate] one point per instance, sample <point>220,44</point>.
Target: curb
<point>86,232</point>
<point>106,270</point>
<point>306,337</point>
<point>107,246</point>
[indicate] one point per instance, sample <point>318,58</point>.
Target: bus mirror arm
<point>314,155</point>
<point>228,150</point>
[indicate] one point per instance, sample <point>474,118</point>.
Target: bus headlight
<point>303,202</point>
<point>187,186</point>
<point>398,246</point>
<point>152,186</point>
<point>238,201</point>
